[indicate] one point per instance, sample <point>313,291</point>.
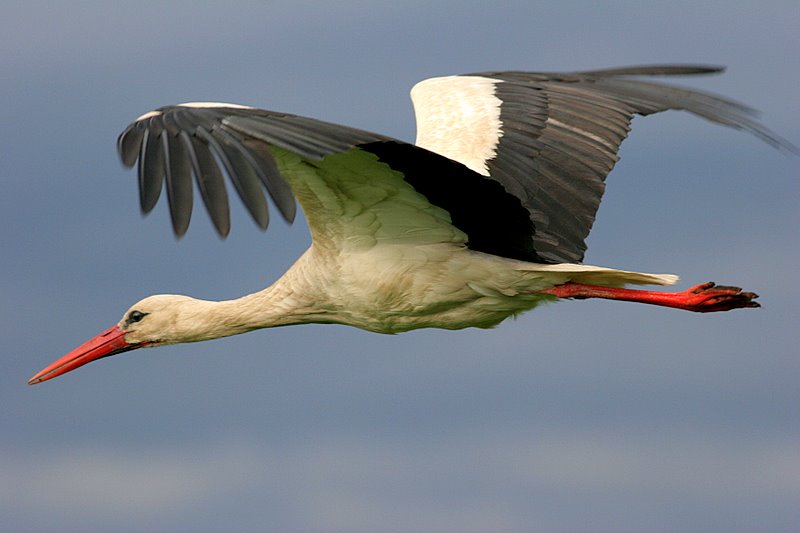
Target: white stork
<point>483,218</point>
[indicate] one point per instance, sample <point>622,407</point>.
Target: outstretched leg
<point>704,298</point>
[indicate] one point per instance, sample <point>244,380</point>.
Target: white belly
<point>397,288</point>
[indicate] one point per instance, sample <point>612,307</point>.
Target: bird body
<point>483,219</point>
<point>391,289</point>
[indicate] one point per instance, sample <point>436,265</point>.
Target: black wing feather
<point>179,180</point>
<point>130,142</point>
<point>151,166</point>
<point>241,171</point>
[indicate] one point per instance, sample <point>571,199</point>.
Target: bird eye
<point>135,316</point>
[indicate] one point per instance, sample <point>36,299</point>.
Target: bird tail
<point>602,276</point>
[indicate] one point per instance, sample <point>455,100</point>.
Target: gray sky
<point>579,416</point>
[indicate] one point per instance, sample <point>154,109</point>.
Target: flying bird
<point>483,218</point>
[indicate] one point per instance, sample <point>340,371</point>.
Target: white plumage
<point>459,117</point>
<point>483,219</point>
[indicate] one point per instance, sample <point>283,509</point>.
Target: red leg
<point>703,298</point>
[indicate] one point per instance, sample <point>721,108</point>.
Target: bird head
<point>153,321</point>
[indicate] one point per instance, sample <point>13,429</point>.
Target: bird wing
<point>552,138</point>
<point>507,163</point>
<point>356,187</point>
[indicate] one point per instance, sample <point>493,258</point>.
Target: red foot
<point>707,297</point>
<point>704,298</point>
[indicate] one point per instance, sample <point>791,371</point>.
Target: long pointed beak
<point>109,342</point>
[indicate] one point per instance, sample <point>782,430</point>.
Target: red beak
<point>109,342</point>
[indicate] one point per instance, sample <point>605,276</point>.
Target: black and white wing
<point>507,163</point>
<point>356,188</point>
<point>552,138</point>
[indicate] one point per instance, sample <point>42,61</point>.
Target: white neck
<point>292,299</point>
<point>277,305</point>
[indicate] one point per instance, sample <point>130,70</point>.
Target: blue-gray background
<point>579,416</point>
